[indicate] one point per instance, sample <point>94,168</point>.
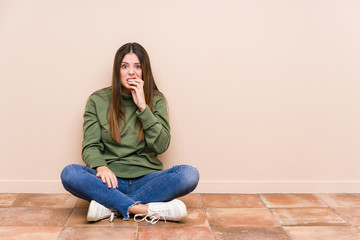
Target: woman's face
<point>129,69</point>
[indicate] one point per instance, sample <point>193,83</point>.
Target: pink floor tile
<point>249,233</point>
<point>30,233</point>
<point>178,233</point>
<point>341,200</point>
<point>291,200</point>
<point>96,233</point>
<point>39,217</point>
<point>240,217</point>
<point>46,200</point>
<point>7,199</point>
<point>3,210</point>
<point>231,201</point>
<point>352,215</point>
<point>307,216</point>
<point>192,200</point>
<point>323,233</point>
<point>82,204</point>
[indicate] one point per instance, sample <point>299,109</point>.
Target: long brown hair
<point>116,112</point>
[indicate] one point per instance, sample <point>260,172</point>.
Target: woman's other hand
<point>107,176</point>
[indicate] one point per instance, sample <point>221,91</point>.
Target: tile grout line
<point>261,199</point>
<point>8,208</point>
<point>67,220</point>
<point>287,234</point>
<point>137,231</point>
<point>350,224</point>
<point>322,201</point>
<point>16,200</point>
<point>207,218</point>
<point>334,209</point>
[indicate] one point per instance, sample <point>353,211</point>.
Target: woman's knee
<point>191,176</point>
<point>69,173</point>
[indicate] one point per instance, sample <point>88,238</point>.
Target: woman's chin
<point>125,90</point>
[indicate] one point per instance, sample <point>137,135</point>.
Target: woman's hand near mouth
<point>136,86</point>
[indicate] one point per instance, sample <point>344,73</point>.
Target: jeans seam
<point>146,180</point>
<point>150,187</point>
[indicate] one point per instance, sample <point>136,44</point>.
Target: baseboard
<point>31,186</point>
<point>205,186</point>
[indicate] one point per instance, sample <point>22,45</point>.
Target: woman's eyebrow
<point>129,63</point>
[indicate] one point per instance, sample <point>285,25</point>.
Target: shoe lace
<point>111,218</point>
<point>151,217</point>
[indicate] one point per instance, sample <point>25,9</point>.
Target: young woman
<point>125,127</point>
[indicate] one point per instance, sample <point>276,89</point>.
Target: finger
<point>103,179</point>
<point>113,182</point>
<point>140,81</point>
<point>134,82</point>
<point>116,181</point>
<point>134,88</point>
<point>135,79</point>
<point>133,85</point>
<point>137,88</point>
<point>130,82</point>
<point>108,181</point>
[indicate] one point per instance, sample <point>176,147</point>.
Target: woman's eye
<point>123,66</point>
<point>138,66</point>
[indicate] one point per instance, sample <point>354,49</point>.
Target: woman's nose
<point>131,71</point>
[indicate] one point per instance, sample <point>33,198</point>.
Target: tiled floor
<point>210,216</point>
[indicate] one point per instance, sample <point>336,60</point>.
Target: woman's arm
<point>93,147</point>
<point>156,125</point>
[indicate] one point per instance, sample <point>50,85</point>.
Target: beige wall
<point>264,95</point>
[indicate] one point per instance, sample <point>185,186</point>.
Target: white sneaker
<point>174,210</point>
<point>99,212</point>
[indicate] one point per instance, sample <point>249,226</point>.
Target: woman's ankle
<point>138,209</point>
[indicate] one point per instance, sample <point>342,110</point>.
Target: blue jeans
<point>159,186</point>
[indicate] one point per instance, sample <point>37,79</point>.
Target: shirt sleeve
<point>156,126</point>
<point>92,146</point>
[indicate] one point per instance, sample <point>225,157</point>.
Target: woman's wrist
<point>142,108</point>
<point>100,167</point>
